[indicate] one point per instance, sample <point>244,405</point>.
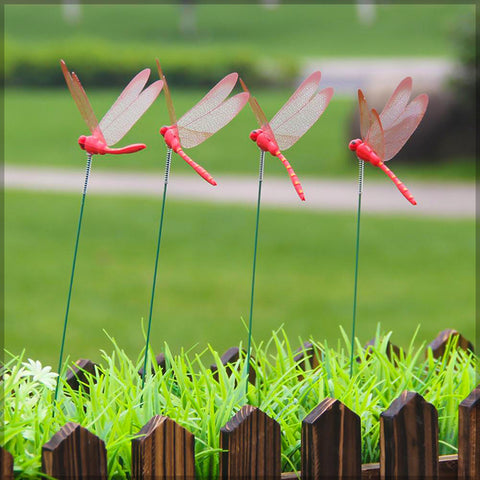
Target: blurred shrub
<point>99,63</point>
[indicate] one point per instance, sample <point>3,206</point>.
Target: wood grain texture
<point>251,444</point>
<point>469,437</point>
<point>229,358</point>
<point>75,453</point>
<point>77,374</point>
<point>439,344</point>
<point>409,439</point>
<point>164,450</point>
<point>331,442</point>
<point>6,465</point>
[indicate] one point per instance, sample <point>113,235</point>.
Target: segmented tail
<point>293,176</point>
<point>403,189</point>
<point>200,170</point>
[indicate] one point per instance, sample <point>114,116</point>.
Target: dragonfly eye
<point>163,130</point>
<point>254,135</point>
<point>354,144</point>
<point>81,141</point>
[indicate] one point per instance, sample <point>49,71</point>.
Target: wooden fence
<point>251,444</point>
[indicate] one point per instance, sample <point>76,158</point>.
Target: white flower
<point>40,374</point>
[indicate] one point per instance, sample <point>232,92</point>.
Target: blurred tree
<point>188,18</point>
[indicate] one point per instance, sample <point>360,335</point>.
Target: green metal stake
<point>360,191</point>
<point>165,184</point>
<point>249,347</point>
<point>84,194</point>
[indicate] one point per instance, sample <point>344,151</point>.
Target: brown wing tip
<point>242,83</point>
<point>160,71</point>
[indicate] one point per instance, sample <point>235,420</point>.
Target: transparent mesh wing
<point>116,130</point>
<point>168,97</point>
<point>204,127</point>
<point>297,101</point>
<point>126,98</point>
<point>81,100</point>
<point>396,103</point>
<point>375,136</point>
<point>211,100</point>
<point>365,118</point>
<point>295,126</point>
<point>397,135</point>
<point>260,116</point>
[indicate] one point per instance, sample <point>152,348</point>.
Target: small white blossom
<point>43,375</point>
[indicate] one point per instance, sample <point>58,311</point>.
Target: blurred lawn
<point>43,126</point>
<point>296,30</point>
<point>412,271</point>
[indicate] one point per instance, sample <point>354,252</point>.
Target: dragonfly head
<point>163,130</point>
<point>81,141</point>
<point>353,145</point>
<point>254,134</point>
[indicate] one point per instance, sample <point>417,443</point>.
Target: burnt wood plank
<point>331,442</point>
<point>440,342</point>
<point>75,453</point>
<point>469,436</point>
<point>164,450</point>
<point>77,373</point>
<point>251,444</point>
<point>409,439</point>
<point>6,465</point>
<point>161,363</point>
<point>229,358</point>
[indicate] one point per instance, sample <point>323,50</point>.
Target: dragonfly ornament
<point>209,115</point>
<point>132,103</point>
<point>291,122</point>
<point>383,136</point>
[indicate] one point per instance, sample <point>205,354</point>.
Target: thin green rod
<point>357,248</point>
<point>160,228</point>
<point>84,194</point>
<point>250,321</point>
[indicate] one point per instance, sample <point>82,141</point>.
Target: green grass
<point>117,406</point>
<point>42,127</point>
<point>307,30</point>
<point>412,272</point>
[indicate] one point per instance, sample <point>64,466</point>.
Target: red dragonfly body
<point>291,122</point>
<point>208,116</point>
<point>127,109</point>
<point>384,135</point>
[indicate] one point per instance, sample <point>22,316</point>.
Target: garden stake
<point>360,191</point>
<point>260,181</point>
<point>165,184</point>
<point>208,116</point>
<point>120,118</point>
<point>382,138</point>
<point>84,194</point>
<point>290,123</point>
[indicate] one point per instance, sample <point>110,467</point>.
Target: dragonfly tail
<point>403,189</point>
<point>200,170</point>
<point>293,176</point>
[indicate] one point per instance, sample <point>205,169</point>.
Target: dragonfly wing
<point>297,101</point>
<point>258,112</point>
<point>375,136</point>
<point>125,119</point>
<point>297,124</point>
<point>204,127</point>
<point>81,100</point>
<point>127,97</point>
<point>210,101</point>
<point>365,120</point>
<point>397,135</point>
<point>168,97</point>
<point>396,103</point>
